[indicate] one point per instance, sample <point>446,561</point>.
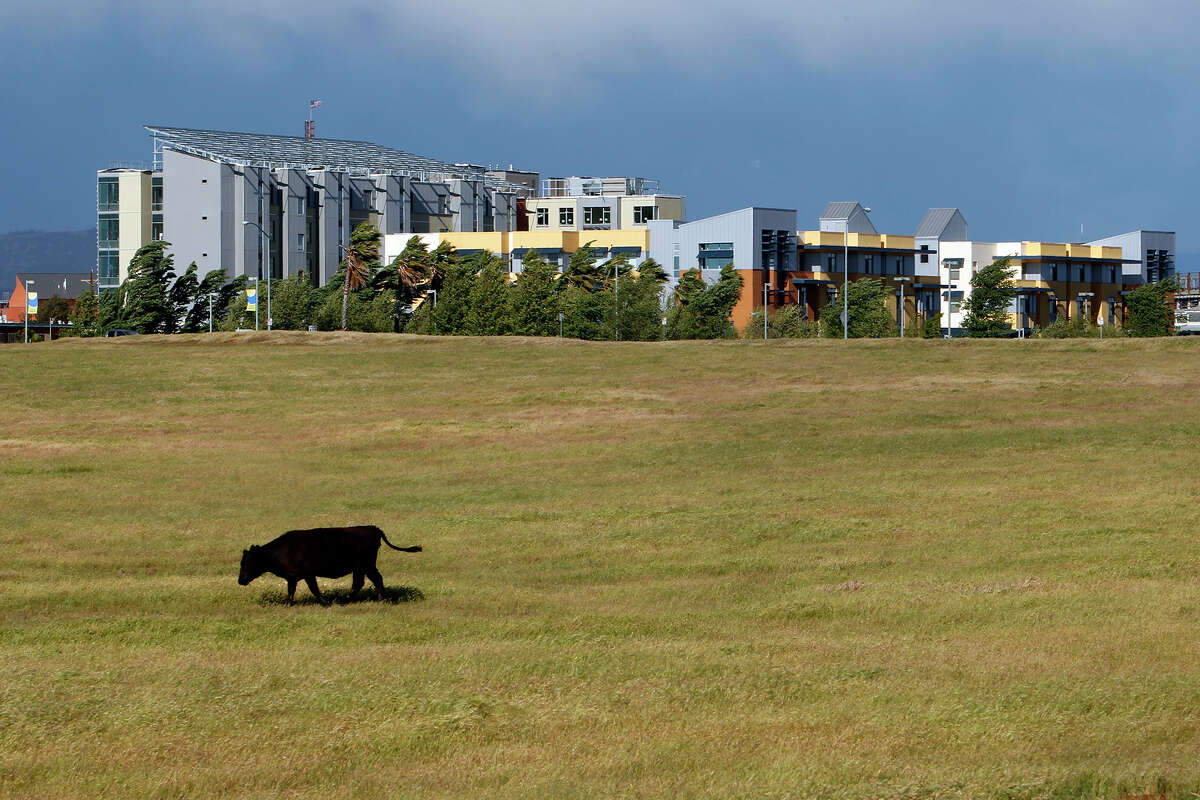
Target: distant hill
<point>45,251</point>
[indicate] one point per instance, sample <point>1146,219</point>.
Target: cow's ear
<point>254,548</point>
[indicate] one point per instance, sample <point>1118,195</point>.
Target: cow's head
<point>252,565</point>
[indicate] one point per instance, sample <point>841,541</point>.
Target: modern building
<point>594,204</point>
<point>1053,280</point>
<point>759,242</point>
<point>804,268</point>
<point>1149,255</point>
<point>210,192</point>
<point>555,247</point>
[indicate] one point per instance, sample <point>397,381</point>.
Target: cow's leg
<point>358,583</point>
<point>376,579</point>
<point>312,587</point>
<point>291,591</point>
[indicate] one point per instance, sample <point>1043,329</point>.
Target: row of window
<point>593,215</point>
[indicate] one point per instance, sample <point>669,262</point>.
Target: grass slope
<point>805,569</point>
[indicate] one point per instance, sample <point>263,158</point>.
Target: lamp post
<point>255,282</point>
<point>902,280</point>
<point>28,283</point>
<point>766,286</point>
<point>846,281</point>
<point>270,321</point>
<point>950,287</point>
<point>434,291</point>
<point>211,295</point>
<point>616,300</point>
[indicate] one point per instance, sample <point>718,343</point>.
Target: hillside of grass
<point>887,568</point>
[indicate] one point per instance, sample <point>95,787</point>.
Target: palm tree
<point>362,258</point>
<point>407,271</point>
<point>583,272</point>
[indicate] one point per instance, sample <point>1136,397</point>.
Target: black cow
<point>319,553</point>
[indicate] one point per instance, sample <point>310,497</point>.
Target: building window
<point>156,196</point>
<point>566,216</point>
<point>156,230</point>
<point>109,268</point>
<point>643,214</point>
<point>715,255</point>
<point>868,264</point>
<point>107,194</point>
<point>108,231</point>
<point>924,254</point>
<point>300,242</point>
<point>831,263</point>
<point>300,206</point>
<point>597,215</point>
<point>543,217</point>
<point>953,267</point>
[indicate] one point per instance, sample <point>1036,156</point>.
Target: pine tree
<point>534,298</point>
<point>142,300</point>
<point>869,318</point>
<point>992,291</point>
<point>85,317</point>
<point>490,312</point>
<point>699,311</point>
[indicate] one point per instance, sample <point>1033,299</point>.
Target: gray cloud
<point>567,40</point>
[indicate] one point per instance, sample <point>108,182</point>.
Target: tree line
<point>425,291</point>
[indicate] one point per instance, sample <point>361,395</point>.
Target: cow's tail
<point>413,549</point>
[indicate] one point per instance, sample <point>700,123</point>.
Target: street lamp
<point>616,300</point>
<point>846,281</point>
<point>766,286</point>
<point>255,282</point>
<point>268,264</point>
<point>902,280</point>
<point>28,283</point>
<point>950,287</point>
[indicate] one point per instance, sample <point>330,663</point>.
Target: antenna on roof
<point>310,125</point>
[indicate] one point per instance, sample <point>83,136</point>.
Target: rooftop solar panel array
<point>261,149</point>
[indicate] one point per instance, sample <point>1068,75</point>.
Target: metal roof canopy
<point>269,151</point>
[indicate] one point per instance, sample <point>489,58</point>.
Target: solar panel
<point>298,152</point>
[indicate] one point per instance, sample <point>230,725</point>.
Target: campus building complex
<point>254,204</point>
<point>258,205</point>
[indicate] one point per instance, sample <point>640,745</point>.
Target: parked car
<point>121,332</point>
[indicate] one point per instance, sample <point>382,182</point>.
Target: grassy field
<point>730,569</point>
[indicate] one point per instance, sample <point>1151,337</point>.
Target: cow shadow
<point>343,597</point>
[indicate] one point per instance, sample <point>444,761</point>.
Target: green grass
<point>727,569</point>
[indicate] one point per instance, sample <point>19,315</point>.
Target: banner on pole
<point>252,299</point>
<point>31,304</point>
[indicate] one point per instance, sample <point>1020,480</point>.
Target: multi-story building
<point>1149,255</point>
<point>1053,280</point>
<point>129,204</point>
<point>555,247</point>
<point>210,192</point>
<point>804,268</point>
<point>600,204</point>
